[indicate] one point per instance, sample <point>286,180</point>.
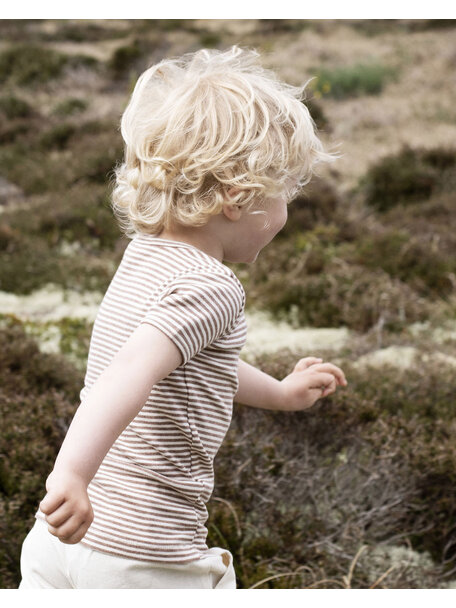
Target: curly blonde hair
<point>198,125</point>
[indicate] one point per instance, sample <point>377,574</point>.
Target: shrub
<point>27,262</point>
<point>83,31</point>
<point>124,57</point>
<point>26,64</point>
<point>408,176</point>
<point>310,282</point>
<point>58,137</point>
<point>14,107</point>
<point>409,258</point>
<point>93,155</point>
<point>318,115</point>
<point>318,202</point>
<point>210,39</point>
<point>70,106</point>
<point>39,394</point>
<point>303,492</point>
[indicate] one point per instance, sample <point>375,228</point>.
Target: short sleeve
<point>196,309</point>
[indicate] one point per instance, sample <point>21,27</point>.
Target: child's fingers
<point>51,502</point>
<point>70,533</point>
<point>323,383</point>
<point>306,362</point>
<point>332,369</point>
<point>77,536</point>
<point>59,516</point>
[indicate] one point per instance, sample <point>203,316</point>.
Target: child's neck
<point>201,240</point>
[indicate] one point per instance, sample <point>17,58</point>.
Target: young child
<point>215,148</point>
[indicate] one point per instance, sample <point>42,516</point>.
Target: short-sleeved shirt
<point>150,492</point>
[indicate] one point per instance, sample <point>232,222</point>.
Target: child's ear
<point>232,212</point>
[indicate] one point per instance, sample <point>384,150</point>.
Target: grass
<point>351,81</point>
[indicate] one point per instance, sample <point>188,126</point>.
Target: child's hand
<point>310,380</point>
<point>67,507</point>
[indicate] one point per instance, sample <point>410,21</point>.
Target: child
<point>215,148</point>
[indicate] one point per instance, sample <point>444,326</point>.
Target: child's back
<point>150,491</point>
<point>215,146</point>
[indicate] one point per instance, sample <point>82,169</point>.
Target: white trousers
<point>47,563</point>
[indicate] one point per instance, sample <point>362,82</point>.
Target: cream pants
<point>47,563</point>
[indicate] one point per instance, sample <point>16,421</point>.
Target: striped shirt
<point>149,493</point>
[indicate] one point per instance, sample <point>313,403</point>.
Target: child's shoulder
<point>189,266</point>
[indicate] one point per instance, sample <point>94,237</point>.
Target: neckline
<point>170,242</point>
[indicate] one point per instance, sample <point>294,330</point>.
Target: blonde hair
<point>201,124</point>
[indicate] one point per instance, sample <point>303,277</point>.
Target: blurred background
<point>360,490</point>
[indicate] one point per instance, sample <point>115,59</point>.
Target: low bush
<point>318,115</point>
<point>38,397</point>
<point>410,258</point>
<point>25,64</point>
<point>313,283</point>
<point>70,106</point>
<point>317,203</point>
<point>409,176</point>
<point>14,107</point>
<point>58,136</point>
<point>363,476</point>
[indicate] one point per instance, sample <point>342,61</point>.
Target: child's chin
<point>252,259</point>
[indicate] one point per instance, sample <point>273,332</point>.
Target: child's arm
<point>297,391</point>
<point>114,400</point>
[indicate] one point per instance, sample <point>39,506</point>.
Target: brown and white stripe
<point>149,494</point>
